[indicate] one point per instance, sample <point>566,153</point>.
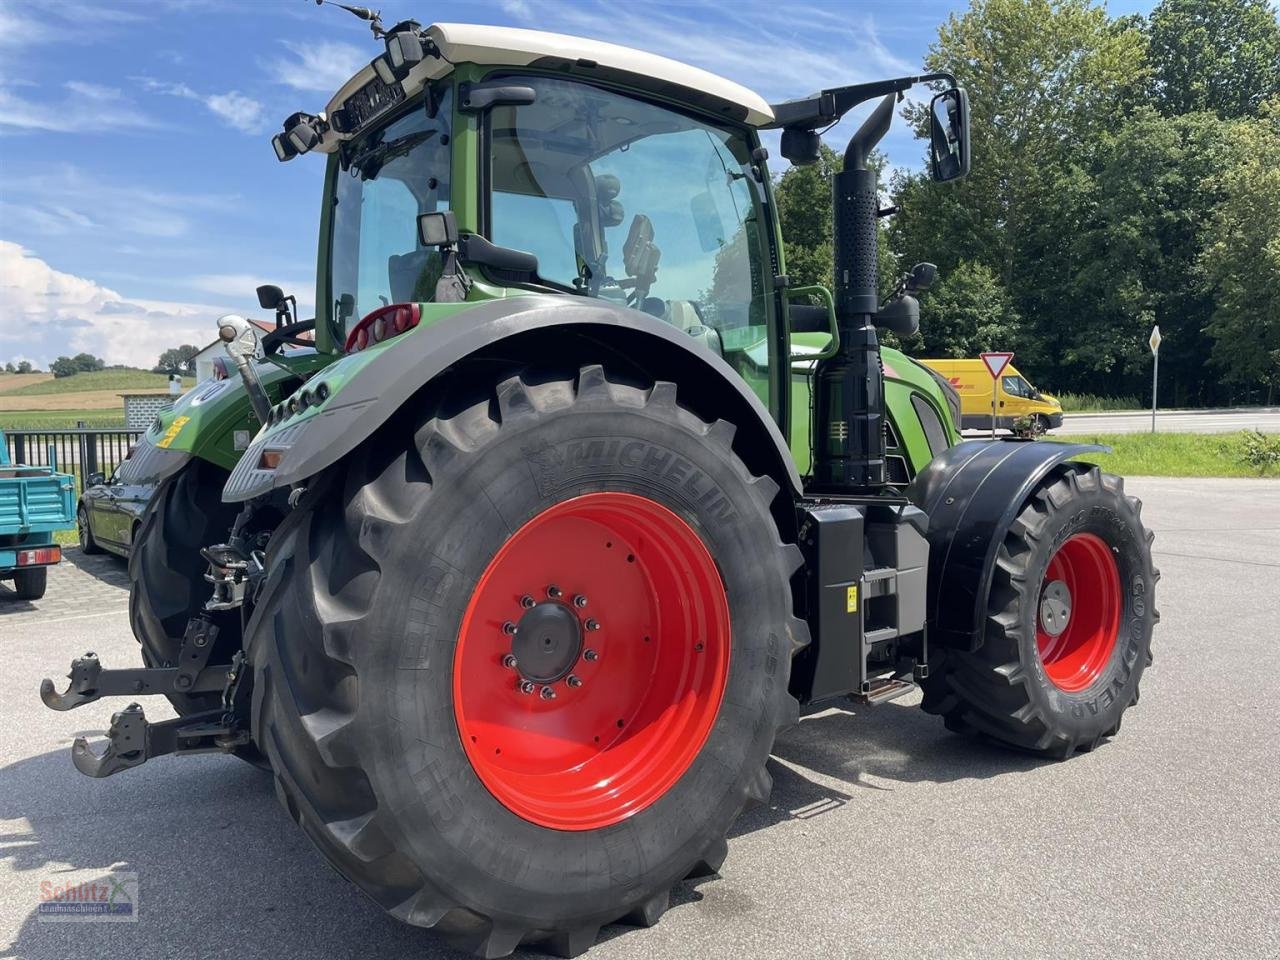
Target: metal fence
<point>83,451</point>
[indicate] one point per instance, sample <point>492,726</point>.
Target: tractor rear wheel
<point>518,666</point>
<point>166,571</point>
<point>1069,621</point>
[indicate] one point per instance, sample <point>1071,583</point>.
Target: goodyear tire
<point>1069,622</point>
<point>569,525</point>
<point>166,572</point>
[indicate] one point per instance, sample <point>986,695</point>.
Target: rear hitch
<point>131,740</point>
<point>90,682</point>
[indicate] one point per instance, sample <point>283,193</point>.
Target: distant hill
<point>121,380</point>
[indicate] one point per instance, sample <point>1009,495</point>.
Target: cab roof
<point>574,56</point>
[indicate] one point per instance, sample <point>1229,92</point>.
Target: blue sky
<point>140,198</point>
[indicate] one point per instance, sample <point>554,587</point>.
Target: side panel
<point>972,494</point>
<point>368,387</point>
<point>213,421</point>
<point>907,385</point>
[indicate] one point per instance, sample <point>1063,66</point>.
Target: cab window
<point>624,200</point>
<point>1015,386</point>
<point>385,178</point>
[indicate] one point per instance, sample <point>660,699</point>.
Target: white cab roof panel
<point>474,43</point>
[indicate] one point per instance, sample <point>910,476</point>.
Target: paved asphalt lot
<point>1266,419</point>
<point>886,837</point>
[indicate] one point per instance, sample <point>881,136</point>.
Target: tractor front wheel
<point>520,663</point>
<point>166,571</point>
<point>1069,621</point>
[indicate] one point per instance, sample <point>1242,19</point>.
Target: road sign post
<point>995,364</point>
<point>1154,342</point>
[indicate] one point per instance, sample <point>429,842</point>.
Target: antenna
<point>364,13</point>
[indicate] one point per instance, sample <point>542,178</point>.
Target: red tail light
<point>39,557</point>
<point>382,324</point>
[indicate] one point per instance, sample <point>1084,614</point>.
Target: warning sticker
<point>851,600</point>
<point>171,434</point>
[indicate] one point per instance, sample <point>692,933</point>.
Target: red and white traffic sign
<point>996,362</point>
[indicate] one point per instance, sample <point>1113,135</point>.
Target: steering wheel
<point>288,333</point>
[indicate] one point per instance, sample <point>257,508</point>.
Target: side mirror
<point>269,296</point>
<point>921,277</point>
<point>96,479</point>
<point>949,134</point>
<point>437,229</point>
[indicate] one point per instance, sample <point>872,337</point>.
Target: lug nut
<point>526,686</point>
<point>593,625</point>
<point>548,693</point>
<point>509,661</point>
<point>579,601</point>
<point>574,681</point>
<point>509,627</point>
<point>527,601</point>
<point>553,592</point>
<point>590,655</point>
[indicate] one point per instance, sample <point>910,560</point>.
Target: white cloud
<point>46,313</point>
<point>86,108</point>
<point>62,200</point>
<point>321,67</point>
<point>234,108</point>
<point>517,8</point>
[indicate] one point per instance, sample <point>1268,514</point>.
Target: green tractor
<point>512,581</point>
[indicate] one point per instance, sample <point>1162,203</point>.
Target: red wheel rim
<point>631,705</point>
<point>1076,639</point>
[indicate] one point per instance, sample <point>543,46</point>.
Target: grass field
<point>60,419</point>
<point>38,401</point>
<point>1170,454</point>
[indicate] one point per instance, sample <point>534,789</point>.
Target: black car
<point>110,514</point>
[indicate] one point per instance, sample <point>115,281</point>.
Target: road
<point>886,837</point>
<point>1266,419</point>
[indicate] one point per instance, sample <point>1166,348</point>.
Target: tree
<point>80,363</point>
<point>179,360</point>
<point>24,366</point>
<point>10,368</point>
<point>1216,55</point>
<point>966,312</point>
<point>803,198</point>
<point>1241,259</point>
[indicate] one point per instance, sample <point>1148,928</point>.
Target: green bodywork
<point>216,428</point>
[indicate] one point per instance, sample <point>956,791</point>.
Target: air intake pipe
<point>850,408</point>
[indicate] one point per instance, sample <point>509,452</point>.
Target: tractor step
<point>884,689</point>
<point>132,740</point>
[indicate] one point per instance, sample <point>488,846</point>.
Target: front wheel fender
<point>972,494</point>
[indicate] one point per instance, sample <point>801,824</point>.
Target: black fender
<point>378,390</point>
<point>972,494</point>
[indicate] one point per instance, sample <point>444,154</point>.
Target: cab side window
<point>1015,387</point>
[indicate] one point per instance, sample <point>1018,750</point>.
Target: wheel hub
<point>1055,608</point>
<point>547,642</point>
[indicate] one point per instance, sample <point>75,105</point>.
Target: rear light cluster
<point>302,400</point>
<point>39,557</point>
<point>383,324</point>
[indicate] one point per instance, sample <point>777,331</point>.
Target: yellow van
<point>1015,398</point>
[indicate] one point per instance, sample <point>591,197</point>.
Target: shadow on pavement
<point>222,871</point>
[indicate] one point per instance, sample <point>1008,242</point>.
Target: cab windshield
<point>622,199</point>
<point>385,178</point>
